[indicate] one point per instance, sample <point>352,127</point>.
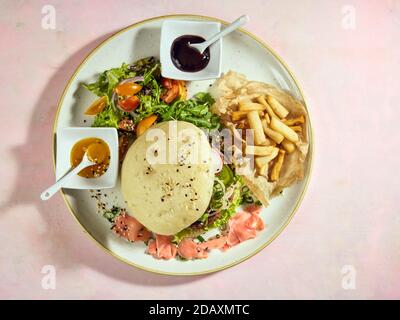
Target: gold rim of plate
<point>309,161</point>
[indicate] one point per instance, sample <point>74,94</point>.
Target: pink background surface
<point>350,214</point>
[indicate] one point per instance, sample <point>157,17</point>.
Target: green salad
<point>147,73</point>
<point>229,192</point>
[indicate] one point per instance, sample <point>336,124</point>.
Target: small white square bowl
<point>172,29</point>
<point>67,137</point>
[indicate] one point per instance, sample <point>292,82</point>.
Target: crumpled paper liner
<point>231,88</point>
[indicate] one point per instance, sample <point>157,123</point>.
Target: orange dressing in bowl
<point>97,151</point>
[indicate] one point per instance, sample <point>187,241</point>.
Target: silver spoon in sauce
<point>201,47</point>
<point>91,157</point>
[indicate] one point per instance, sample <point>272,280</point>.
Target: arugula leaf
<point>204,98</point>
<point>152,73</point>
<point>109,117</point>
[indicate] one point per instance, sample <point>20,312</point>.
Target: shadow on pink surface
<point>62,244</point>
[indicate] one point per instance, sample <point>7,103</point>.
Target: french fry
<point>288,146</point>
<point>296,128</point>
<point>276,169</point>
<point>284,130</point>
<point>259,150</point>
<point>275,136</point>
<point>238,115</point>
<point>251,106</point>
<point>266,116</point>
<point>256,125</point>
<point>245,100</point>
<point>263,171</point>
<point>262,161</point>
<point>267,143</point>
<point>271,112</point>
<point>279,109</point>
<point>294,121</point>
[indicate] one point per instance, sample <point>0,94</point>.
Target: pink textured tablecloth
<point>345,54</point>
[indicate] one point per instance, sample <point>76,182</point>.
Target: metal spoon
<point>232,27</point>
<point>48,193</point>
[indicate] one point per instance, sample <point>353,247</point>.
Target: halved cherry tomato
<point>166,83</point>
<point>182,89</point>
<point>129,104</point>
<point>128,89</point>
<point>145,123</point>
<point>172,91</point>
<point>96,107</point>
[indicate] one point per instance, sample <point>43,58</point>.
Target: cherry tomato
<point>96,107</point>
<point>166,83</point>
<point>128,89</point>
<point>172,93</point>
<point>129,104</point>
<point>182,89</point>
<point>145,123</point>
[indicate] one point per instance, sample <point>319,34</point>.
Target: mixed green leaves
<point>195,110</point>
<point>149,68</point>
<point>227,213</point>
<point>240,195</point>
<point>108,80</point>
<point>109,117</point>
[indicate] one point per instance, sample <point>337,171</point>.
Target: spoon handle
<point>49,192</point>
<point>233,26</point>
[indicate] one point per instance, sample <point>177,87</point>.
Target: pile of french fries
<point>275,134</point>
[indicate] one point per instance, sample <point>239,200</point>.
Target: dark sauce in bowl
<point>186,58</point>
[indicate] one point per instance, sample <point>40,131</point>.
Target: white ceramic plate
<point>243,53</point>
